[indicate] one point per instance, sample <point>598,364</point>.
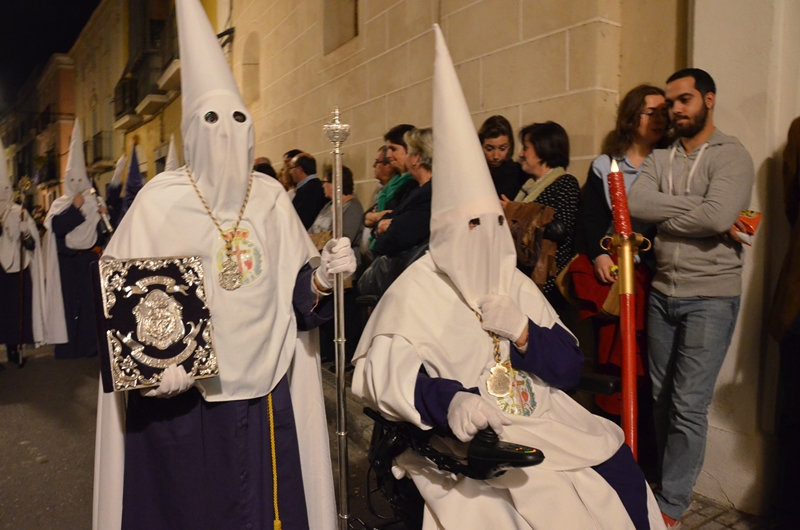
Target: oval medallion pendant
<point>230,278</point>
<point>499,383</point>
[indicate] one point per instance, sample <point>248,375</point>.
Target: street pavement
<point>47,432</point>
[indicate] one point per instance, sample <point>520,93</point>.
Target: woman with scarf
<point>545,158</point>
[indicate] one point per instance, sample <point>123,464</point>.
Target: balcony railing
<point>125,97</point>
<point>102,147</point>
<point>140,81</point>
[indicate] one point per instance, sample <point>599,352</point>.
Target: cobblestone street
<point>47,413</point>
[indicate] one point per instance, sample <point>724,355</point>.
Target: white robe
<point>423,321</point>
<point>82,237</point>
<point>255,332</point>
<point>10,261</point>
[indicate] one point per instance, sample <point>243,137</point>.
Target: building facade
<point>100,54</point>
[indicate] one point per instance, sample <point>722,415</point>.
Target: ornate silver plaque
<point>154,315</point>
<point>499,383</point>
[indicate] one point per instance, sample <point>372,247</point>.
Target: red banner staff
<point>625,244</point>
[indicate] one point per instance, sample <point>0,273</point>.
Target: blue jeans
<point>687,342</point>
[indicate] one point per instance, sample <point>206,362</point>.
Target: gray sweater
<point>693,260</point>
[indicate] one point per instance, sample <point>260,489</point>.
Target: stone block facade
<point>530,60</point>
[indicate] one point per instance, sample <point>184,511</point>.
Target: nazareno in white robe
<point>422,320</point>
<point>10,260</point>
<point>255,332</point>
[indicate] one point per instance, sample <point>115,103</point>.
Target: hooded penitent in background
<point>133,183</point>
<point>73,228</point>
<point>114,192</point>
<point>19,243</point>
<point>425,350</point>
<point>217,471</point>
<point>172,156</point>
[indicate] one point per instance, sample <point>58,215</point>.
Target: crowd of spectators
<point>394,230</point>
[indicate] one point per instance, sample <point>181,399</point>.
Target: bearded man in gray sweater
<point>693,191</point>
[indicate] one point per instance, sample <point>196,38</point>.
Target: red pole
<point>625,245</point>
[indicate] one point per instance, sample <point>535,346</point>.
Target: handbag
<point>384,270</point>
<point>527,222</point>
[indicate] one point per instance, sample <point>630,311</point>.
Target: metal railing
<point>102,146</point>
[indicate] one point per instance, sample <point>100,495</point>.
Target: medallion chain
<point>230,277</point>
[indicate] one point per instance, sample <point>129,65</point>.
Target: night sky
<point>30,32</point>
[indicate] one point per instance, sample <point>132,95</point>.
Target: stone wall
<point>751,51</point>
<point>530,60</point>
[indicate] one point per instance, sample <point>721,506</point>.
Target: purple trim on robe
<point>10,308</point>
<point>79,316</point>
<point>552,355</point>
<point>66,221</point>
<point>624,475</point>
<point>193,464</point>
<point>114,203</point>
<point>432,397</point>
<point>304,300</point>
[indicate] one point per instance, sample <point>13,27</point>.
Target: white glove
<point>174,381</point>
<point>469,413</point>
<point>502,316</point>
<point>337,256</point>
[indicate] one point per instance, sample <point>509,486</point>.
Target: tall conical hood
<point>134,181</point>
<point>203,65</point>
<point>172,156</point>
<point>470,239</point>
<point>76,179</point>
<point>218,134</point>
<point>116,180</point>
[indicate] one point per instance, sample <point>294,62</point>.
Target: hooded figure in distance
<point>216,471</point>
<point>74,228</point>
<point>463,313</point>
<point>19,240</point>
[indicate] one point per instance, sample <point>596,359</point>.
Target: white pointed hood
<point>479,260</point>
<point>172,156</point>
<point>76,179</point>
<point>82,237</point>
<point>116,180</point>
<point>216,146</point>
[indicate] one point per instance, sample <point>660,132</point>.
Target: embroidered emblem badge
<point>521,400</point>
<point>246,254</point>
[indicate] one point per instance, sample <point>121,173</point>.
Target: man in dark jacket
<point>310,197</point>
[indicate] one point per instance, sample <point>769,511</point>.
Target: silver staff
<point>104,216</point>
<point>337,133</point>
